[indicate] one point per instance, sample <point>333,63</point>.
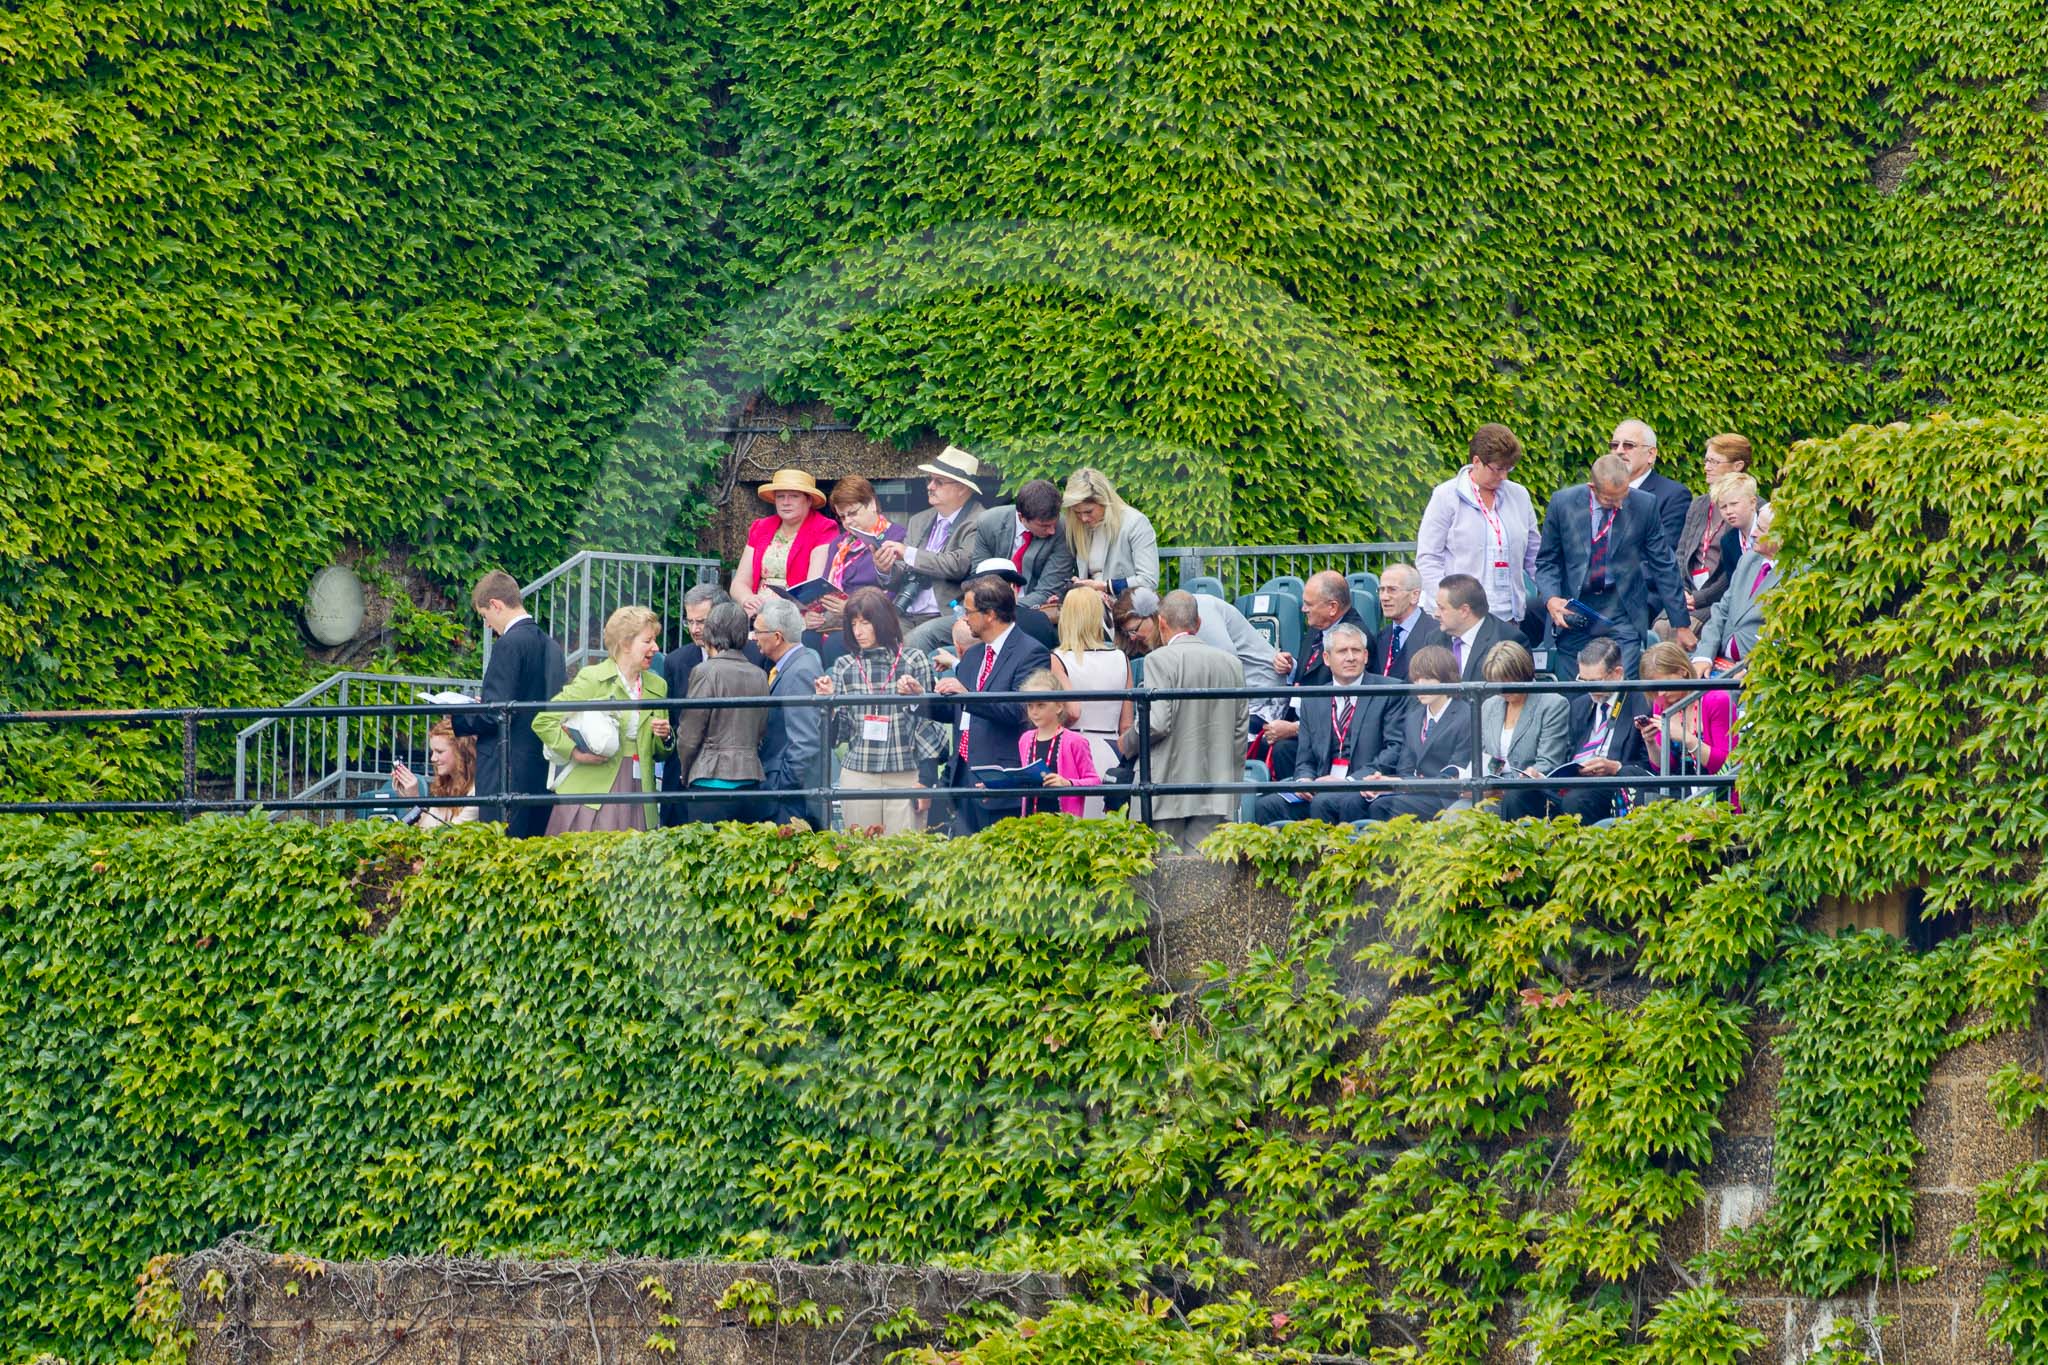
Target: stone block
<point>1740,1161</point>
<point>1981,1058</point>
<point>1934,1126</point>
<point>1984,1148</point>
<point>1751,1107</point>
<point>1936,1216</point>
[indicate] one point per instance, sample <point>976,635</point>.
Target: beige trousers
<point>896,815</point>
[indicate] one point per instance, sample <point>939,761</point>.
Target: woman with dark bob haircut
<point>718,748</point>
<point>884,736</point>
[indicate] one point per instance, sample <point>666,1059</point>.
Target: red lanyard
<point>867,679</point>
<point>1603,532</point>
<point>1342,732</point>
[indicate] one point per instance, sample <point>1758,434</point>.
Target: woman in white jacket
<point>1482,523</point>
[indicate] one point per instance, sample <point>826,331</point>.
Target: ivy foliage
<point>1903,675</point>
<point>286,280</point>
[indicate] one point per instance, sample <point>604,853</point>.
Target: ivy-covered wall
<point>283,279</point>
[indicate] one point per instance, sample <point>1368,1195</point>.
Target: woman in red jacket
<point>788,547</point>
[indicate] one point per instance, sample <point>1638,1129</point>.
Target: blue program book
<point>999,779</point>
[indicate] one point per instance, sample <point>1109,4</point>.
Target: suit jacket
<point>1739,615</point>
<point>1639,558</point>
<point>676,668</point>
<point>1688,549</point>
<point>1374,744</point>
<point>941,569</point>
<point>1048,563</point>
<point>992,738</point>
<point>1424,632</point>
<point>526,665</point>
<point>1492,630</point>
<point>1674,502</point>
<point>1624,744</point>
<point>1131,560</point>
<point>1449,744</point>
<point>1197,740</point>
<point>1542,732</point>
<point>721,742</point>
<point>792,740</point>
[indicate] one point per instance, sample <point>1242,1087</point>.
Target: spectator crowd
<point>914,631</point>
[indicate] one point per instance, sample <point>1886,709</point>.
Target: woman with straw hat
<point>790,545</point>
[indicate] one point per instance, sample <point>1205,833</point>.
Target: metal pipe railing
<point>1473,783</point>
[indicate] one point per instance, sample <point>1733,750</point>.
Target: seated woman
<point>1086,662</point>
<point>849,561</point>
<point>788,546</point>
<point>631,639</point>
<point>884,739</point>
<point>1523,734</point>
<point>1115,547</point>
<point>453,761</point>
<point>718,748</point>
<point>1685,733</point>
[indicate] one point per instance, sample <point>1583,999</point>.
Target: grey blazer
<point>1193,740</point>
<point>940,569</point>
<point>1129,561</point>
<point>1739,615</point>
<point>1048,564</point>
<point>723,741</point>
<point>1543,733</point>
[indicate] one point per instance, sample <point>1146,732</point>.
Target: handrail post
<point>189,791</point>
<point>583,611</point>
<point>341,742</point>
<point>505,763</point>
<point>1144,769</point>
<point>1478,704</point>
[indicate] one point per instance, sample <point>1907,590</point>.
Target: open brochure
<point>1001,779</point>
<point>808,592</point>
<point>446,696</point>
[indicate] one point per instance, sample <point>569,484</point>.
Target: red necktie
<point>1018,558</point>
<point>988,666</point>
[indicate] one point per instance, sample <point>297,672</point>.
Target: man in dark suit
<point>1637,444</point>
<point>1030,535</point>
<point>1604,545</point>
<point>1325,604</point>
<point>526,665</point>
<point>1436,733</point>
<point>792,742</point>
<point>1604,742</point>
<point>676,667</point>
<point>1342,738</point>
<point>1470,628</point>
<point>924,572</point>
<point>1001,658</point>
<point>1408,627</point>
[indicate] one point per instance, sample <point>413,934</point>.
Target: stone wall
<point>419,1311</point>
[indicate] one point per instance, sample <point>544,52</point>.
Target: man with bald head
<point>1637,444</point>
<point>1604,547</point>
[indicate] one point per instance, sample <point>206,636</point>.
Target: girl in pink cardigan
<point>1068,759</point>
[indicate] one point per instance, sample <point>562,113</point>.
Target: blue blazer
<point>992,739</point>
<point>1640,562</point>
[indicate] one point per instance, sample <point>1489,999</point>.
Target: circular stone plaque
<point>334,605</point>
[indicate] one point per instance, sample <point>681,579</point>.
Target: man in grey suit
<point>792,742</point>
<point>1731,629</point>
<point>1604,546</point>
<point>1030,534</point>
<point>1342,738</point>
<point>1192,740</point>
<point>924,572</point>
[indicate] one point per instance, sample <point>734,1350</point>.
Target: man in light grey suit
<point>1195,740</point>
<point>925,571</point>
<point>1731,629</point>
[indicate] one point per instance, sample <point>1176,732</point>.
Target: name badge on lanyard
<point>874,729</point>
<point>1502,584</point>
<point>1340,740</point>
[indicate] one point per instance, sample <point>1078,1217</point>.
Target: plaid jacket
<point>866,677</point>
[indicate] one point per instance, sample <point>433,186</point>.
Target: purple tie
<point>940,525</point>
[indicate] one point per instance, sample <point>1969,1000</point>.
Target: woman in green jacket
<point>632,635</point>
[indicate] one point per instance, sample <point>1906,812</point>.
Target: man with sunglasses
<point>1637,444</point>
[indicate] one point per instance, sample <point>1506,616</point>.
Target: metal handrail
<point>1473,783</point>
<point>1193,561</point>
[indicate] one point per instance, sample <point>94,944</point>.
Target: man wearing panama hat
<point>789,545</point>
<point>924,572</point>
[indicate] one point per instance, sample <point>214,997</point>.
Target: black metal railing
<point>1472,782</point>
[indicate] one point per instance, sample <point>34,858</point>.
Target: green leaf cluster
<point>1888,726</point>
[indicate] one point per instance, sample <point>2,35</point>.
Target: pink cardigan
<point>817,529</point>
<point>1072,759</point>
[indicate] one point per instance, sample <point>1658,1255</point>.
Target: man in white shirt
<point>1637,444</point>
<point>1470,630</point>
<point>1408,626</point>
